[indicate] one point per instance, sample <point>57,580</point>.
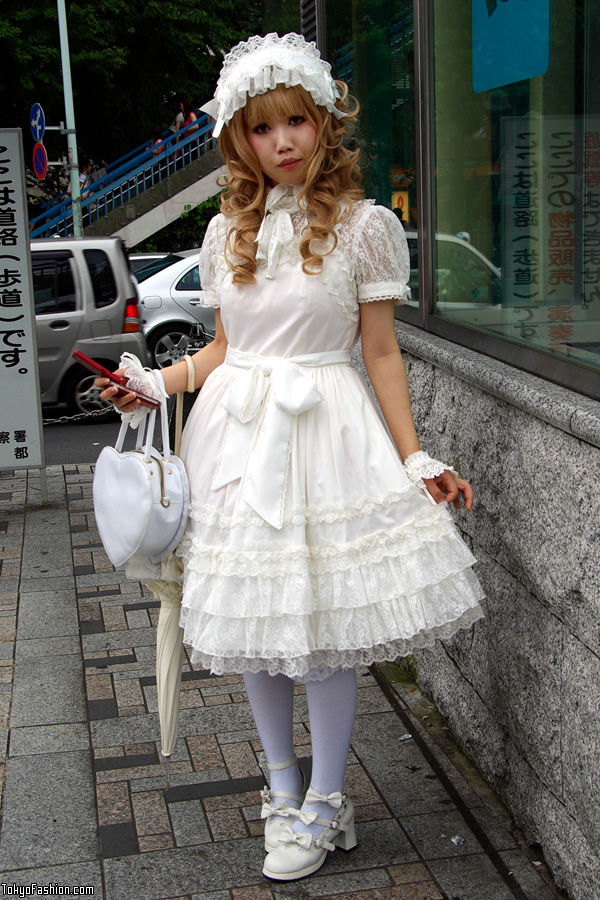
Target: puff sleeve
<point>212,261</point>
<point>382,258</point>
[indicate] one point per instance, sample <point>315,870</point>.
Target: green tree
<point>129,60</point>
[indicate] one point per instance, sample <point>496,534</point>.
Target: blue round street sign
<point>40,161</point>
<point>37,122</point>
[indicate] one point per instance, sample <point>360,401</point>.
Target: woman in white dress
<point>317,539</point>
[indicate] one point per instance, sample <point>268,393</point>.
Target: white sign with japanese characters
<point>551,217</point>
<point>21,437</point>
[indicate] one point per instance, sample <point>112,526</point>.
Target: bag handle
<point>121,435</point>
<point>164,424</point>
<point>145,432</point>
<point>178,424</point>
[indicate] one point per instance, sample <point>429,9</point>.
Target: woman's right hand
<point>124,402</point>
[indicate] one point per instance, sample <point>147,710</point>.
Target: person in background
<point>189,115</point>
<point>84,177</point>
<point>190,124</point>
<point>400,216</point>
<point>178,120</point>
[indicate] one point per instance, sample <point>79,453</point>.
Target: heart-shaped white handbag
<point>141,497</point>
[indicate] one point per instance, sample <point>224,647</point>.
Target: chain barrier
<point>198,338</point>
<point>94,413</point>
<point>78,416</point>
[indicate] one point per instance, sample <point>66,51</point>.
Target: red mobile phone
<point>117,380</point>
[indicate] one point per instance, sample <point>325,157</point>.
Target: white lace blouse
<point>371,260</point>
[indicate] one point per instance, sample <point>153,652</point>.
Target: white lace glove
<point>148,381</point>
<point>420,465</point>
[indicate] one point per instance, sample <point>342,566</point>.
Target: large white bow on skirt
<point>274,389</point>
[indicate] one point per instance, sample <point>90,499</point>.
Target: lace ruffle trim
<point>300,515</point>
<point>257,560</point>
<point>259,64</point>
<point>290,600</point>
<point>420,465</point>
<point>333,659</point>
<point>390,290</point>
<point>210,299</point>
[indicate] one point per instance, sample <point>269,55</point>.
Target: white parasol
<point>169,645</point>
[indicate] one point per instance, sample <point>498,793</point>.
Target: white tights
<point>331,711</point>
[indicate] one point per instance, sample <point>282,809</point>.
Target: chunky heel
<point>346,840</point>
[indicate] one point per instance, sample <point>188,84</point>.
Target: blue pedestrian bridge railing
<point>131,175</point>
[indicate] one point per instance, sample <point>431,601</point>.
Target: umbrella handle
<point>167,760</point>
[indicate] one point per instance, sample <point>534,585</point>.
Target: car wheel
<point>168,345</point>
<point>82,395</point>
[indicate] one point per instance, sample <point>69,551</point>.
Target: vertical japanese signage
<point>522,183</point>
<point>21,440</point>
<point>591,211</point>
<point>551,228</point>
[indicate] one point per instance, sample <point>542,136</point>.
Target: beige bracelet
<point>191,370</point>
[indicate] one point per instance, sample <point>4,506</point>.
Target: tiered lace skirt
<point>364,567</point>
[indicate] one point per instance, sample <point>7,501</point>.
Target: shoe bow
<point>307,818</point>
<point>268,810</point>
<point>335,799</point>
<point>303,839</point>
<point>287,811</point>
<point>289,836</point>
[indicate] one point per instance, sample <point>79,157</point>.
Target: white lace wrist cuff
<point>420,465</point>
<point>148,381</point>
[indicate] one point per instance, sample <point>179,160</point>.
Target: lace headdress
<point>259,64</point>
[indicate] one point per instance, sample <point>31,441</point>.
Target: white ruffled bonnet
<point>259,64</point>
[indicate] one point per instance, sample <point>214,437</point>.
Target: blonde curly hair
<point>331,186</point>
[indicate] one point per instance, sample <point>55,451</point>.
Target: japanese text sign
<point>551,229</point>
<point>21,440</point>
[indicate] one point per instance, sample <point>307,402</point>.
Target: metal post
<point>70,117</point>
<point>425,155</point>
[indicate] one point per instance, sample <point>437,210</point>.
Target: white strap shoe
<point>299,854</point>
<point>278,815</point>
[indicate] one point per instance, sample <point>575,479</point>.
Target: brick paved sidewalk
<point>84,800</point>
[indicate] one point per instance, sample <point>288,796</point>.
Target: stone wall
<point>521,691</point>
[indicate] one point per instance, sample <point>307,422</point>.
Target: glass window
<point>151,267</point>
<point>516,121</point>
<point>372,50</point>
<point>102,276</point>
<point>53,285</point>
<point>190,281</point>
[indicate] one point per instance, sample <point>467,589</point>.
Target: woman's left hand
<point>449,488</point>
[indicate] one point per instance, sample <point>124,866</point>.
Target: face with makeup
<point>284,146</point>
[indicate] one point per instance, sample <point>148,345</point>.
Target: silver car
<point>173,320</point>
<point>85,299</point>
<point>465,278</point>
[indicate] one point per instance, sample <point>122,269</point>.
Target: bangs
<point>280,103</point>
